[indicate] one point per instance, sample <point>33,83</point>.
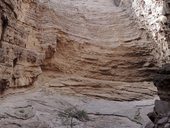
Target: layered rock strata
<point>92,39</point>
<point>23,48</point>
<point>95,48</point>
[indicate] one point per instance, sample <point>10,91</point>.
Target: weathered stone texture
<point>23,44</point>
<point>153,15</point>
<point>92,48</point>
<point>41,36</point>
<point>160,117</point>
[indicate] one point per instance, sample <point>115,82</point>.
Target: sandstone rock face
<point>97,50</point>
<point>158,12</point>
<point>98,40</point>
<point>93,39</point>
<point>23,46</point>
<point>154,15</point>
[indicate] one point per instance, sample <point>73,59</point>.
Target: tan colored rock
<point>93,39</point>
<point>93,49</point>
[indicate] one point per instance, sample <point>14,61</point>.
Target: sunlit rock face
<point>100,40</point>
<point>102,49</point>
<point>154,15</point>
<point>94,39</point>
<point>23,47</point>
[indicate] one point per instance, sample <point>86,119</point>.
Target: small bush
<point>71,113</point>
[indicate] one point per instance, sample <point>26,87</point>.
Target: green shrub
<point>71,113</point>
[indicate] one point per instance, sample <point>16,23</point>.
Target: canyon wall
<point>124,41</point>
<point>153,15</point>
<point>63,35</point>
<point>107,49</point>
<point>23,46</point>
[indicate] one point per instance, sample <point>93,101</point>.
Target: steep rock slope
<point>19,61</point>
<point>92,39</point>
<point>103,38</point>
<point>94,51</point>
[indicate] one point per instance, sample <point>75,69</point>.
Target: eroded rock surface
<point>154,15</point>
<point>94,51</point>
<point>94,39</point>
<point>160,117</point>
<point>40,108</point>
<point>104,89</point>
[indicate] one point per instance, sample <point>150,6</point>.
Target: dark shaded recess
<point>14,79</point>
<point>152,116</point>
<point>169,5</point>
<point>50,52</point>
<point>165,69</point>
<point>162,81</point>
<point>15,62</point>
<point>2,57</point>
<point>162,77</point>
<point>4,84</point>
<point>117,2</point>
<point>4,26</point>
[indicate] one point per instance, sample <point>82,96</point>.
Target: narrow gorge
<point>84,64</point>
